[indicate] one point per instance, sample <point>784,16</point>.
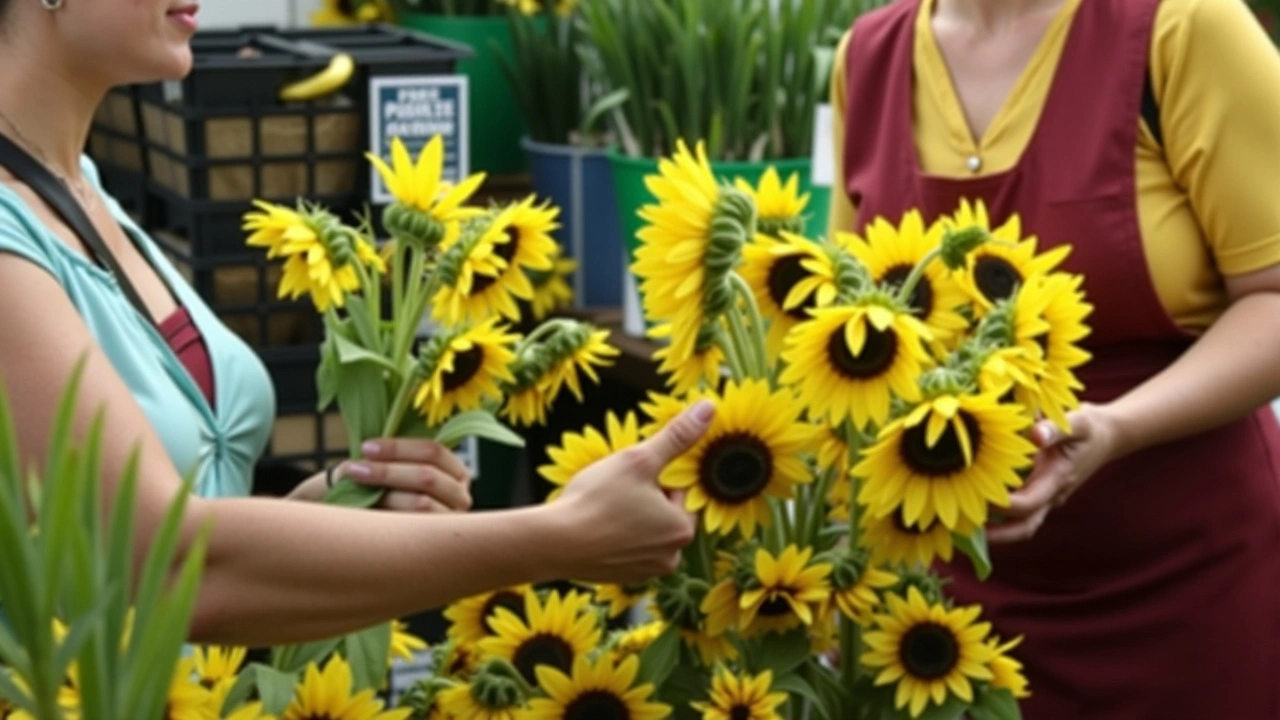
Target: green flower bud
<point>929,585</point>
<point>412,227</point>
<point>852,277</point>
<point>775,227</point>
<point>957,244</point>
<point>498,686</point>
<point>679,599</point>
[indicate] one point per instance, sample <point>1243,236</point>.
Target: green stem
<point>407,326</point>
<point>397,278</point>
<point>776,537</point>
<point>372,293</point>
<point>816,509</point>
<point>917,272</point>
<point>758,332</point>
<point>738,330</point>
<point>850,652</point>
<point>724,338</point>
<point>400,406</point>
<point>704,566</point>
<point>540,332</point>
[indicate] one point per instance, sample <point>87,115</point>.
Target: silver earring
<point>51,4</point>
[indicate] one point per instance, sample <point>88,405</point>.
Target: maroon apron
<point>1154,593</point>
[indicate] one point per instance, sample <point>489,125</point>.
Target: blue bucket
<point>580,182</point>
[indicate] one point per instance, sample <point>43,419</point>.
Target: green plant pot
<point>628,184</point>
<point>495,122</point>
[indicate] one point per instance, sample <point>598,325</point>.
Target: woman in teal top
<point>277,571</point>
<point>219,448</point>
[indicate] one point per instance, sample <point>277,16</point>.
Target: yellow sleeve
<point>843,215</point>
<point>1216,77</point>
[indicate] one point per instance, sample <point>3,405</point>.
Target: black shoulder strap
<point>1151,111</point>
<point>54,192</point>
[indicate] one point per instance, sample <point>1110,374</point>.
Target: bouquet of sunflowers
<point>874,396</point>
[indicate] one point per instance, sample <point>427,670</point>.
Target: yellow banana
<point>325,82</point>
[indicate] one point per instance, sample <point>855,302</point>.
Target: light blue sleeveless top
<point>218,448</point>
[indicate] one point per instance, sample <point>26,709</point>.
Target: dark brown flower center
<point>946,457</point>
<point>550,650</point>
<point>740,712</point>
<point>465,367</point>
<point>929,651</point>
<point>502,599</point>
<point>877,356</point>
<point>776,606</point>
<point>784,275</point>
<point>736,468</point>
<point>597,705</point>
<point>996,277</point>
<point>921,300</point>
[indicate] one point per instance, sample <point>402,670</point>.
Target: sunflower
<point>555,633</point>
<point>848,362</point>
<point>551,289</point>
<point>891,253</point>
<point>1006,670</point>
<point>637,639</point>
<point>685,374</point>
<point>995,270</point>
<point>404,644</point>
<point>351,12</point>
<point>420,185</point>
<point>690,244</point>
<point>744,458</point>
<point>929,651</point>
<point>461,702</point>
<point>722,607</point>
<point>217,667</point>
<point>780,208</point>
<point>660,409</point>
<point>583,352</point>
<point>856,585</point>
<point>321,255</point>
<point>741,697</point>
<point>620,598</point>
<point>596,691</point>
<point>458,659</point>
<point>466,368</point>
<point>252,711</point>
<point>895,543</point>
<point>789,276</point>
<point>1049,321</point>
<point>326,695</point>
<point>521,237</point>
<point>480,280</point>
<point>948,459</point>
<point>188,699</point>
<point>470,619</point>
<point>577,452</point>
<point>787,591</point>
<point>711,649</point>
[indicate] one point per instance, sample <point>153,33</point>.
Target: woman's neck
<point>46,105</point>
<point>991,15</point>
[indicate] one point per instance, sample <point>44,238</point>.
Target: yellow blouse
<point>1208,201</point>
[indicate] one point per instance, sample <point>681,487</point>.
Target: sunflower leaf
<point>275,688</point>
<point>350,352</point>
<point>296,658</point>
<point>349,493</point>
<point>975,547</point>
<point>477,423</point>
<point>660,658</point>
<point>995,705</point>
<point>367,652</point>
<point>784,653</point>
<point>796,687</point>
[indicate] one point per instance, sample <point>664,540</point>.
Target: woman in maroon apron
<point>1153,592</point>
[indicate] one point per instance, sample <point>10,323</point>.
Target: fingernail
<point>372,447</point>
<point>360,471</point>
<point>704,411</point>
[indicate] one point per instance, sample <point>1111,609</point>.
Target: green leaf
<point>795,686</point>
<point>995,705</point>
<point>296,658</point>
<point>350,353</point>
<point>241,690</point>
<point>604,106</point>
<point>349,493</point>
<point>367,653</point>
<point>362,400</point>
<point>660,658</point>
<point>784,653</point>
<point>275,688</point>
<point>13,694</point>
<point>975,547</point>
<point>477,423</point>
<point>327,375</point>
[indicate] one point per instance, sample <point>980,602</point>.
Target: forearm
<point>1230,371</point>
<point>281,572</point>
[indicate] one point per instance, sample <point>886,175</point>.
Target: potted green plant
<point>567,154</point>
<point>741,76</point>
<point>495,121</point>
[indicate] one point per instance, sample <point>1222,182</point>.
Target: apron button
<point>974,163</point>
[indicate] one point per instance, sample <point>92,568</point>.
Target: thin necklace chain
<point>80,189</point>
